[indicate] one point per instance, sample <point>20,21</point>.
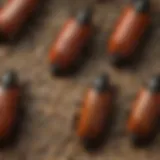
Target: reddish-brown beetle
<point>9,97</point>
<point>144,116</point>
<point>95,111</point>
<point>14,14</point>
<point>68,47</point>
<point>129,30</point>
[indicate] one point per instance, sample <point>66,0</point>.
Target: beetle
<point>14,14</point>
<point>9,98</point>
<point>73,38</point>
<point>143,119</point>
<point>95,111</point>
<point>128,32</point>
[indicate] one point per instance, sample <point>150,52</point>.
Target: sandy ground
<point>46,133</point>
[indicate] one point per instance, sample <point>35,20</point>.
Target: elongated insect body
<point>95,110</point>
<point>9,98</point>
<point>144,115</point>
<point>129,30</point>
<point>68,47</point>
<point>14,14</point>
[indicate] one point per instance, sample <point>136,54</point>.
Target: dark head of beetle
<point>154,84</point>
<point>141,6</point>
<point>10,80</point>
<point>85,16</point>
<point>101,83</point>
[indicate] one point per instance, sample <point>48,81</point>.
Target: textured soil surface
<point>46,131</point>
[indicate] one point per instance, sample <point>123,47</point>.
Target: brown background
<point>46,132</point>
